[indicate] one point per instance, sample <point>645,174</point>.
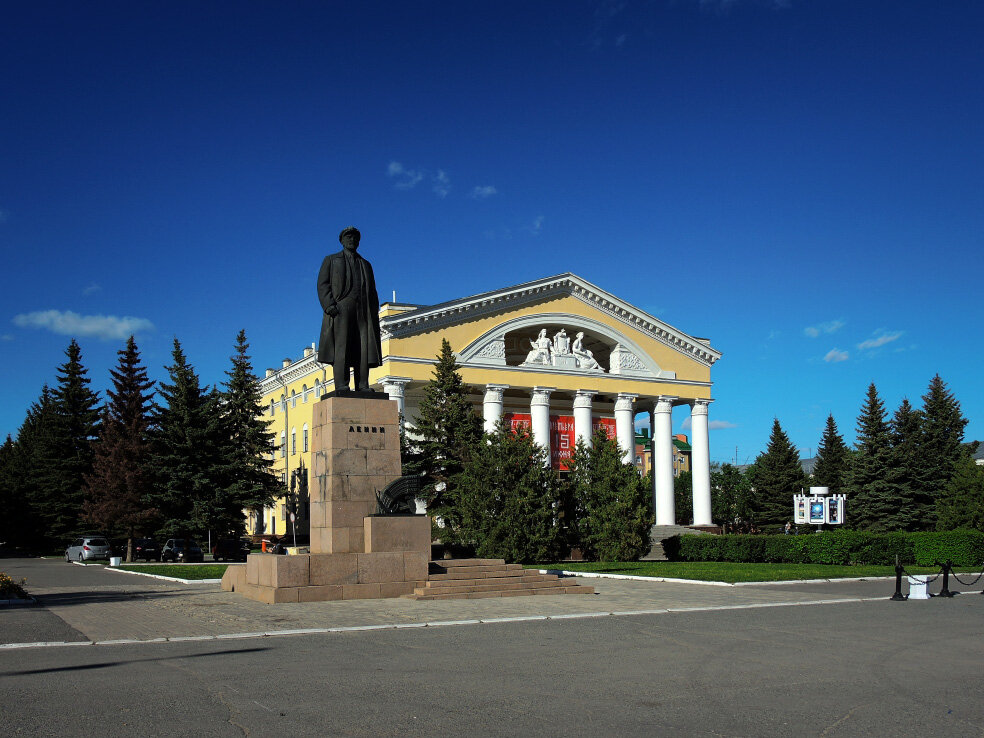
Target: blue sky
<point>799,182</point>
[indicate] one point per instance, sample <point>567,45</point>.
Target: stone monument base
<point>394,564</point>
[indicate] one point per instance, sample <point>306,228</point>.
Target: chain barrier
<point>970,584</point>
<point>946,570</point>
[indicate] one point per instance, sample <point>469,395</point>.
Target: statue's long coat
<point>334,284</point>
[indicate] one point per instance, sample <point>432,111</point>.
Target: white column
<point>582,416</point>
<point>700,462</point>
<point>540,416</point>
<point>663,460</point>
<point>395,388</point>
<point>492,406</point>
<point>624,427</point>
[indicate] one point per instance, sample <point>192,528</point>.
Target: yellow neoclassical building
<point>558,355</point>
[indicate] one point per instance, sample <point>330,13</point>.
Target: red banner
<point>562,440</point>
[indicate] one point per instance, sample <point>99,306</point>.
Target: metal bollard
<point>945,592</point>
<point>898,582</point>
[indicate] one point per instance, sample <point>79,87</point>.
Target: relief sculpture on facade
<point>561,353</point>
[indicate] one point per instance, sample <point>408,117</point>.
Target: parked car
<point>145,548</point>
<point>175,550</point>
<point>87,548</point>
<point>231,549</point>
<point>287,541</point>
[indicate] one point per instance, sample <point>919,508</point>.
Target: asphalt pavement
<point>806,659</point>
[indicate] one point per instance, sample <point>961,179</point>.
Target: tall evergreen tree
<point>776,476</point>
<point>683,497</point>
<point>118,487</point>
<point>69,453</point>
<point>187,426</point>
<point>613,511</point>
<point>25,468</point>
<point>508,497</point>
<point>445,432</point>
<point>961,504</point>
<point>873,493</point>
<point>943,432</point>
<point>831,468</point>
<point>916,508</point>
<point>244,459</point>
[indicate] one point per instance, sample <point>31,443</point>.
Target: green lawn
<point>179,571</point>
<point>714,571</point>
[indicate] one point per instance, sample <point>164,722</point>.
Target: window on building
<point>293,398</point>
<point>317,389</point>
<point>304,393</point>
<point>283,513</point>
<point>283,403</point>
<point>305,439</point>
<point>293,441</point>
<point>283,444</point>
<point>273,407</point>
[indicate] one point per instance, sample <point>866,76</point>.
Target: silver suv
<point>86,548</point>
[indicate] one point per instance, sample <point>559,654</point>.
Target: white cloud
<point>6,337</point>
<point>406,179</point>
<point>91,288</point>
<point>835,355</point>
<point>68,323</point>
<point>481,193</point>
<point>442,184</point>
<point>720,424</point>
<point>880,339</point>
<point>537,225</point>
<point>831,326</point>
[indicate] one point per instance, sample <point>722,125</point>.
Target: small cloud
<point>406,179</point>
<point>720,425</point>
<point>442,184</point>
<point>68,323</point>
<point>773,335</point>
<point>537,226</point>
<point>91,288</point>
<point>880,339</point>
<point>835,355</point>
<point>831,326</point>
<point>481,193</point>
<point>6,337</point>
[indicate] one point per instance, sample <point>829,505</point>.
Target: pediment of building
<point>614,332</point>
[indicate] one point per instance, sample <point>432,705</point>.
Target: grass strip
<point>720,571</point>
<point>179,571</point>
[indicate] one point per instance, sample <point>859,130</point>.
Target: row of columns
<point>662,432</point>
<point>662,436</point>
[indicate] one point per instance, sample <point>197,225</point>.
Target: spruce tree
<point>244,461</point>
<point>943,432</point>
<point>118,487</point>
<point>833,457</point>
<point>776,476</point>
<point>916,508</point>
<point>68,456</point>
<point>961,504</point>
<point>25,468</point>
<point>613,510</point>
<point>187,427</point>
<point>873,495</point>
<point>445,432</point>
<point>508,498</point>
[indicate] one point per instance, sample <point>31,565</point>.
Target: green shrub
<point>962,547</point>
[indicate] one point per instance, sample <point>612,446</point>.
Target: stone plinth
<point>354,554</point>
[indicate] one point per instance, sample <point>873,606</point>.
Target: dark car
<point>231,549</point>
<point>175,550</point>
<point>146,548</point>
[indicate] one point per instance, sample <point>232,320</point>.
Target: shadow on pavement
<point>108,664</point>
<point>90,597</point>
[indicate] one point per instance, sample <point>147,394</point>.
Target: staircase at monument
<point>451,579</point>
<point>661,532</point>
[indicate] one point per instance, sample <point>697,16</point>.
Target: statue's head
<point>350,237</point>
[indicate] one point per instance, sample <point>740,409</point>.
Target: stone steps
<point>661,532</point>
<point>479,578</point>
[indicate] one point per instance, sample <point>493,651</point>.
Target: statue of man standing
<point>350,326</point>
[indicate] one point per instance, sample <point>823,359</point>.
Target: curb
<point>432,624</point>
<point>166,579</point>
<point>19,602</point>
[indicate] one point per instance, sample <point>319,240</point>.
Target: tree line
<point>171,459</point>
<point>908,472</point>
<point>495,493</point>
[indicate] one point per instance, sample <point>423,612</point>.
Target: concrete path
<point>99,604</point>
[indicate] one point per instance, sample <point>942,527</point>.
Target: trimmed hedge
<point>962,547</point>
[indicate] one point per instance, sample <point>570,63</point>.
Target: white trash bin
<point>115,560</point>
<point>919,586</point>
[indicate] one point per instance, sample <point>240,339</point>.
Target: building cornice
<point>435,317</point>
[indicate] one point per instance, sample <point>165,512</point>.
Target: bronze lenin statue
<point>350,325</point>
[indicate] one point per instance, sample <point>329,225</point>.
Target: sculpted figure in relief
<point>561,343</point>
<point>541,350</point>
<point>585,359</point>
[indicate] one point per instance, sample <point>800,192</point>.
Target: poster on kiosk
<point>818,508</point>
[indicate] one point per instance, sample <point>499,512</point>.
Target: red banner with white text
<point>562,439</point>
